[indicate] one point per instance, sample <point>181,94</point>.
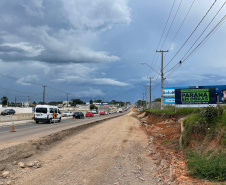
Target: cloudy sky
<point>93,49</point>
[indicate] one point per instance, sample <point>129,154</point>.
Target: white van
<point>46,113</point>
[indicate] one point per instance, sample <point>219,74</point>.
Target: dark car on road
<point>78,115</point>
<point>8,111</point>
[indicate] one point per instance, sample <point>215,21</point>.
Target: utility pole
<point>146,96</point>
<point>44,86</point>
<point>162,78</point>
<point>143,99</point>
<point>67,99</point>
<point>15,101</point>
<point>150,90</point>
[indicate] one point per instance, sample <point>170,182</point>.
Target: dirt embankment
<point>165,133</point>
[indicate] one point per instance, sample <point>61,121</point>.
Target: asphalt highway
<point>29,130</point>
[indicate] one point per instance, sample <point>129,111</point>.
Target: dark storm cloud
<point>64,30</point>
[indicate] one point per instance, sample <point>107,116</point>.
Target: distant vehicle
<point>89,114</point>
<point>8,111</point>
<point>120,110</point>
<point>47,113</point>
<point>102,113</point>
<point>78,115</point>
<point>67,113</point>
<point>94,111</point>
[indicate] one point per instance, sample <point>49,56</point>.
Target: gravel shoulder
<point>113,152</point>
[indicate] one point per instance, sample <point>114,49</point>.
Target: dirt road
<point>113,152</point>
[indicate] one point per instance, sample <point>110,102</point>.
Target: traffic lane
<point>28,123</point>
<point>33,131</point>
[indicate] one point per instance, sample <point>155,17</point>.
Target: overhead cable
<point>191,33</point>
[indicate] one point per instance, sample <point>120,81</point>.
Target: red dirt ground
<point>166,132</point>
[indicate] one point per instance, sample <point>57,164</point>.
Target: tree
<point>90,102</point>
<point>157,100</point>
<point>4,100</point>
<point>92,106</point>
<point>34,102</point>
<point>77,101</point>
<point>98,101</point>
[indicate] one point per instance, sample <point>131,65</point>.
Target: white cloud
<point>108,81</point>
<point>27,80</point>
<point>29,49</point>
<point>90,93</point>
<point>99,15</point>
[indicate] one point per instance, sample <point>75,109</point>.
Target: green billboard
<point>195,96</point>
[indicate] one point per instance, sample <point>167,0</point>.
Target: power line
<point>18,91</point>
<point>181,25</point>
<point>191,34</point>
<point>153,64</point>
<point>173,69</point>
<point>203,31</point>
<point>171,24</point>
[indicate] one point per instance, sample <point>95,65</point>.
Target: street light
<point>162,79</point>
<point>150,67</point>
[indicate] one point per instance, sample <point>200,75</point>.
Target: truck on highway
<point>120,110</point>
<point>47,113</point>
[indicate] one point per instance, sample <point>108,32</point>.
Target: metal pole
<point>150,91</point>
<point>44,86</point>
<point>146,96</point>
<point>67,99</point>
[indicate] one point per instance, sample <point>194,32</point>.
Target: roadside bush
<point>186,110</point>
<point>208,166</point>
<point>188,124</point>
<point>210,113</point>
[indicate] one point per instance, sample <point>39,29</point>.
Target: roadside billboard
<point>220,90</point>
<point>169,94</point>
<point>195,96</point>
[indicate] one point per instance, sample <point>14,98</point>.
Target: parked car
<point>89,114</point>
<point>94,111</point>
<point>67,113</point>
<point>8,111</point>
<point>78,115</point>
<point>102,113</point>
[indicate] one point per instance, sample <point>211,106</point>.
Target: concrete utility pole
<point>44,86</point>
<point>162,78</point>
<point>143,99</point>
<point>150,90</point>
<point>67,99</point>
<point>146,96</point>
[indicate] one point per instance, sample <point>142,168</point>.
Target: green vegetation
<point>171,110</point>
<point>209,120</point>
<point>208,166</point>
<point>201,126</point>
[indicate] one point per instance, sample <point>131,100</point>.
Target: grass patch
<point>211,120</point>
<point>207,166</point>
<point>188,124</point>
<point>171,110</point>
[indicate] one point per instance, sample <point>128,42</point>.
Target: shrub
<point>210,113</point>
<point>208,166</point>
<point>188,124</point>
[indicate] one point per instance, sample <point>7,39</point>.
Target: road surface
<point>113,152</point>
